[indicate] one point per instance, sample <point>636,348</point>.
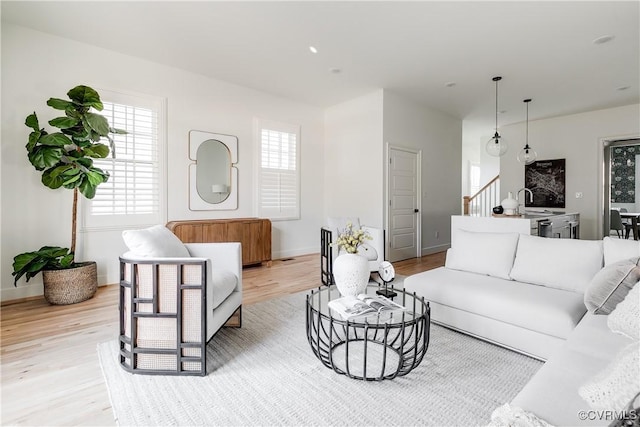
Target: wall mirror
<point>213,175</point>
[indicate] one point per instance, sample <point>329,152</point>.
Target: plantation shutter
<point>133,193</point>
<point>279,175</point>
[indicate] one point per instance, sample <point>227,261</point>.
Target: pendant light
<point>527,155</point>
<point>496,146</point>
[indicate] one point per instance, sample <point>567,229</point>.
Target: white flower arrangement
<point>349,239</point>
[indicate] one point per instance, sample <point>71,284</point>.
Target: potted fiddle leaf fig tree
<point>65,158</point>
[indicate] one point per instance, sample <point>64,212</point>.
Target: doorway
<point>403,203</point>
<point>620,179</point>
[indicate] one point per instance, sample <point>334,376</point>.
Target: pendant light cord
<point>496,105</point>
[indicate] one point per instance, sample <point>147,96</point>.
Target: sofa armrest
<point>223,256</point>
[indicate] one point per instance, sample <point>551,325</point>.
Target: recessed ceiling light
<point>313,49</point>
<point>623,88</point>
<point>604,39</point>
<point>335,70</point>
<point>450,84</point>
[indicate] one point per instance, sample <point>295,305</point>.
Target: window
<point>474,178</point>
<point>134,194</point>
<point>278,170</point>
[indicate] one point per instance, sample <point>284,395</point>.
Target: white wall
<point>37,66</point>
<point>354,160</point>
<point>439,136</point>
<point>576,138</point>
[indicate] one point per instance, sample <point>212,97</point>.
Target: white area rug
<point>266,374</point>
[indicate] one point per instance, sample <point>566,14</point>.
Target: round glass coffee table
<point>371,348</point>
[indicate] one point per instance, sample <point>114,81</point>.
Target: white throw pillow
<point>512,416</point>
<point>625,319</point>
<point>613,388</point>
<point>567,264</point>
<point>154,242</point>
<point>610,285</point>
<point>483,253</point>
<point>619,249</point>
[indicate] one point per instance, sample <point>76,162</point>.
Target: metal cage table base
<point>373,348</point>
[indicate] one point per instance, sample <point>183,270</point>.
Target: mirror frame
<point>196,203</point>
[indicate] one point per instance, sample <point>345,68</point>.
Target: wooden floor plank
<point>49,364</point>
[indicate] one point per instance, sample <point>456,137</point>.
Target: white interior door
<point>403,181</point>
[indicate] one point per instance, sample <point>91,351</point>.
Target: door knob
<point>416,210</point>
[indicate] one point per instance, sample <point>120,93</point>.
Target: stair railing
<point>482,203</point>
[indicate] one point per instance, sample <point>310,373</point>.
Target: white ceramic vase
<point>510,205</point>
<point>351,274</point>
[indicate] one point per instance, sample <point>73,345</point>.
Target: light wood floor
<point>50,371</point>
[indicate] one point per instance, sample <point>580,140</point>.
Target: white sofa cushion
<point>154,242</point>
<point>546,310</point>
<point>552,393</point>
<point>567,264</point>
<point>619,249</point>
<point>611,285</point>
<point>483,253</point>
<point>625,319</point>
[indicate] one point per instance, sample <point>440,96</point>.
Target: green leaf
<point>98,123</point>
<point>70,183</point>
<point>87,190</point>
<point>66,261</point>
<point>33,140</point>
<point>86,162</point>
<point>97,150</point>
<point>52,179</point>
<point>86,96</point>
<point>45,157</point>
<point>118,131</point>
<point>32,121</point>
<point>55,140</point>
<point>95,178</point>
<point>47,257</point>
<point>59,104</point>
<point>21,260</point>
<point>64,122</point>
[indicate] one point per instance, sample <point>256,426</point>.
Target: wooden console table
<point>253,233</point>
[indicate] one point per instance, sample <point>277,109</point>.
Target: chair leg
<point>618,232</point>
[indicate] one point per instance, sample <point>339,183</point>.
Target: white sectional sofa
<point>527,293</point>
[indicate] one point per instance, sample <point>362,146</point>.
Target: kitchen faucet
<point>530,198</point>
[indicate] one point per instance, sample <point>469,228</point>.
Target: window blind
<point>134,195</point>
<point>133,187</point>
<point>279,175</point>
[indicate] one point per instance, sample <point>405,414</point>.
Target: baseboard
<point>21,292</point>
<point>435,249</point>
<point>295,252</point>
<point>27,292</point>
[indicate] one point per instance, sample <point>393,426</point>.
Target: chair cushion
<point>546,310</point>
<point>154,242</point>
<point>483,253</point>
<point>610,285</point>
<point>220,284</point>
<point>619,249</point>
<point>567,264</point>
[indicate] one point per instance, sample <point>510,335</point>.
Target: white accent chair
<point>171,306</point>
<point>373,250</point>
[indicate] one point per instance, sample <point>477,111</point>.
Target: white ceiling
<point>544,50</point>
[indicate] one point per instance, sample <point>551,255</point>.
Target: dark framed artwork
<point>623,173</point>
<point>546,180</point>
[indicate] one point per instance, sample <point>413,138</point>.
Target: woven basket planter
<point>71,285</point>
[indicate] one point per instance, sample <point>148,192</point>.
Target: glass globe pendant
<point>527,155</point>
<point>496,146</point>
